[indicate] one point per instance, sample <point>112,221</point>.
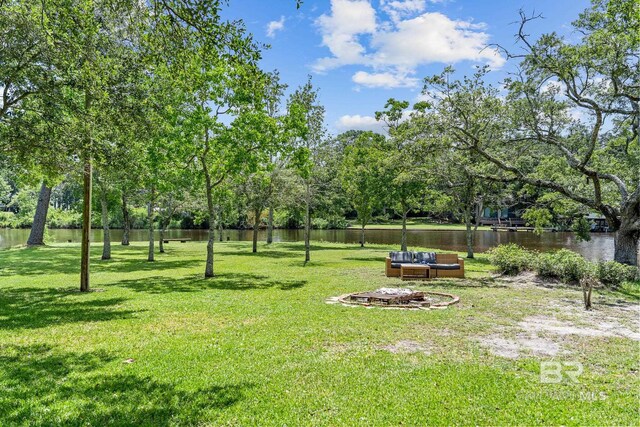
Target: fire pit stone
<point>400,298</point>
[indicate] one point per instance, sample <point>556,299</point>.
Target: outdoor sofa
<point>440,265</point>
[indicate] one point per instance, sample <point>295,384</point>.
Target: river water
<point>600,246</point>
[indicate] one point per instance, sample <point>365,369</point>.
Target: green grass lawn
<point>157,344</point>
<point>417,224</point>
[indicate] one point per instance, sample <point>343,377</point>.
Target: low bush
<point>138,217</point>
<point>338,222</point>
<point>564,265</point>
<point>284,218</point>
<point>8,220</point>
<point>613,274</point>
<point>381,219</point>
<point>511,259</point>
<point>328,223</point>
<point>58,218</point>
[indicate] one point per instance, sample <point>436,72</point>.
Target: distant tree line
<point>156,114</point>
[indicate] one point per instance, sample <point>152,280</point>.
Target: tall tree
<point>534,138</point>
<point>362,176</point>
<point>305,101</point>
<point>406,186</point>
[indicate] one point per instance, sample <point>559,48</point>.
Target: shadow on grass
<point>45,386</point>
<point>39,260</point>
<point>299,247</point>
<point>57,260</point>
<point>263,254</point>
<point>224,281</point>
<point>40,307</point>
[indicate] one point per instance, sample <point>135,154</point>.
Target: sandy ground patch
<point>548,333</point>
<point>522,345</point>
<point>599,329</point>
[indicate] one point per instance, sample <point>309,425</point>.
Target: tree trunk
<point>307,224</point>
<point>220,230</point>
<point>270,226</point>
<point>403,240</point>
<point>256,224</point>
<point>469,231</point>
<point>587,288</point>
<point>208,271</point>
<point>36,236</point>
<point>86,224</point>
<point>106,234</point>
<point>362,235</point>
<point>479,209</point>
<point>150,210</point>
<point>626,246</point>
<point>161,241</point>
<point>125,220</point>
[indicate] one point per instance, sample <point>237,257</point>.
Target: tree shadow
<point>263,254</point>
<point>299,247</point>
<point>39,260</point>
<point>224,281</point>
<point>45,386</point>
<point>132,265</point>
<point>56,260</point>
<point>30,308</point>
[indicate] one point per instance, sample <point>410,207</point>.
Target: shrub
<point>381,219</point>
<point>338,222</point>
<point>285,218</point>
<point>58,218</point>
<point>511,258</point>
<point>613,274</point>
<point>564,265</point>
<point>138,217</point>
<point>319,223</point>
<point>8,220</point>
<point>545,265</point>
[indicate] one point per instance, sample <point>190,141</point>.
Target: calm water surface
<point>600,246</point>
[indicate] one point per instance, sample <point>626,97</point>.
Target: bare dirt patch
<point>406,346</point>
<point>561,322</point>
<point>527,279</point>
<point>523,343</point>
<point>557,327</point>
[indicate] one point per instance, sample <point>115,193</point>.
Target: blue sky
<point>362,52</point>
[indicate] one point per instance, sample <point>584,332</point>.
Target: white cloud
<point>358,122</point>
<point>384,80</point>
<point>340,30</point>
<point>394,48</point>
<point>397,9</point>
<point>274,26</point>
<point>433,37</point>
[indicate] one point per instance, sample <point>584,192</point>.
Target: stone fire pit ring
<point>398,298</point>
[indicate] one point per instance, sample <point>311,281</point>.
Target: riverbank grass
<point>157,344</point>
<point>416,224</point>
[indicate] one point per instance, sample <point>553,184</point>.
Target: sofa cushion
<point>401,257</point>
<point>425,257</point>
<point>445,266</point>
